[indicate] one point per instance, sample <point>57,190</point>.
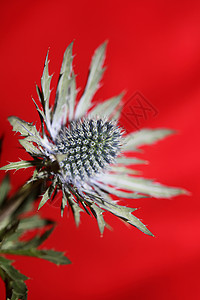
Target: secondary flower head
<point>81,149</point>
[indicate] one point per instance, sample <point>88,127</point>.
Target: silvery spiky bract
<point>81,150</point>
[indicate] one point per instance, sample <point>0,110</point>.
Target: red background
<point>154,48</point>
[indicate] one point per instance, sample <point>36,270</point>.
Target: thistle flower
<point>81,149</point>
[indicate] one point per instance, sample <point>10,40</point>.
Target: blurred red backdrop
<point>154,48</point>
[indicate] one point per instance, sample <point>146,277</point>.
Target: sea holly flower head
<point>81,149</point>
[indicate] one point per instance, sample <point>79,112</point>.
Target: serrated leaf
<point>30,148</point>
<point>63,93</point>
<point>116,116</point>
<point>95,75</point>
<point>141,185</point>
<point>37,175</point>
<point>125,213</point>
<point>116,192</point>
<point>63,204</point>
<point>144,137</point>
<point>76,209</point>
<point>45,85</point>
<point>4,188</point>
<point>25,128</point>
<point>40,112</point>
<point>14,280</point>
<point>98,213</point>
<point>123,170</point>
<point>23,164</point>
<point>14,274</point>
<point>130,161</point>
<point>56,257</point>
<point>107,108</point>
<point>47,195</point>
<point>72,97</point>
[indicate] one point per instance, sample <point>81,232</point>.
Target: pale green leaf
<point>122,170</point>
<point>118,193</point>
<point>22,164</point>
<point>66,86</point>
<point>117,113</point>
<point>29,147</point>
<point>47,195</point>
<point>130,161</point>
<point>141,185</point>
<point>41,113</point>
<point>125,213</point>
<point>98,213</point>
<point>45,85</point>
<point>26,129</point>
<point>95,75</point>
<point>72,97</point>
<point>107,108</point>
<point>63,204</point>
<point>76,209</point>
<point>144,137</point>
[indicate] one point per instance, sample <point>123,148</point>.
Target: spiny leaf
<point>106,108</point>
<point>14,274</point>
<point>130,161</point>
<point>117,114</point>
<point>125,213</point>
<point>120,194</point>
<point>56,257</point>
<point>4,188</point>
<point>72,97</point>
<point>22,164</point>
<point>144,137</point>
<point>123,170</point>
<point>30,148</point>
<point>95,75</point>
<point>76,209</point>
<point>14,279</point>
<point>25,128</point>
<point>45,85</point>
<point>40,112</point>
<point>98,213</point>
<point>66,86</point>
<point>143,186</point>
<point>47,194</point>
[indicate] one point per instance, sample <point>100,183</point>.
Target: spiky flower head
<point>81,149</point>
